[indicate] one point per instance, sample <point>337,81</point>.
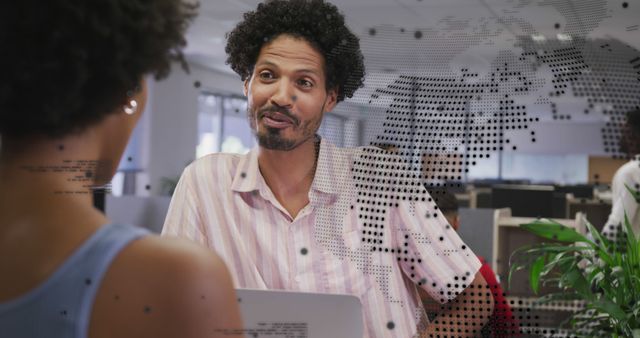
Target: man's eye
<point>266,75</point>
<point>305,83</point>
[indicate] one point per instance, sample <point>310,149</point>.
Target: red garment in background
<point>502,322</point>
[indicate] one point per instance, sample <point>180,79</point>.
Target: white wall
<point>146,212</point>
<point>169,131</point>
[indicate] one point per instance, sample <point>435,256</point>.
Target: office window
<point>546,168</point>
<point>485,168</point>
<point>223,125</point>
<point>237,136</point>
<point>332,129</point>
<point>536,168</point>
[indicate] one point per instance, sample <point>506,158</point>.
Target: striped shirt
<point>369,230</point>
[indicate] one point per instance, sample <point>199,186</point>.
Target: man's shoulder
<point>629,171</point>
<point>215,162</point>
<point>370,154</point>
<point>359,156</point>
<point>216,167</point>
<point>350,151</point>
<point>219,157</point>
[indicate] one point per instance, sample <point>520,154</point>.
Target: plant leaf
<point>558,296</point>
<point>632,242</point>
<point>534,277</point>
<point>634,193</point>
<point>514,267</point>
<point>544,247</point>
<point>602,245</point>
<point>601,242</point>
<point>573,278</point>
<point>610,308</point>
<point>559,260</point>
<point>552,230</point>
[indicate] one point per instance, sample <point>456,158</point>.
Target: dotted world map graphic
<point>462,89</point>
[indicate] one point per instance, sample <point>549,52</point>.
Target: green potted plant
<point>605,276</point>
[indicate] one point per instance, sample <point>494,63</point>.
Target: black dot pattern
<point>599,71</point>
<point>439,118</point>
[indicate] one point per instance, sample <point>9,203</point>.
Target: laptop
<point>288,314</point>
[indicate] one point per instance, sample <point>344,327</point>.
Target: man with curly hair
<point>289,215</point>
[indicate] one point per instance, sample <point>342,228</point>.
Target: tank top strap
<point>97,259</point>
<point>61,306</point>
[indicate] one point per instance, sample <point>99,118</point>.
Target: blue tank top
<point>61,306</point>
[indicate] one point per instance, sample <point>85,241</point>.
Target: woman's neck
<point>40,178</point>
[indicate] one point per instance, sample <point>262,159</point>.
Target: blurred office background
<point>191,115</point>
<point>558,76</point>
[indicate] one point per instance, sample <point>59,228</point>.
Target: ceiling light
<point>538,38</point>
<point>564,37</point>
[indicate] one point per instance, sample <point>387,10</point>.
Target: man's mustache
<point>281,110</point>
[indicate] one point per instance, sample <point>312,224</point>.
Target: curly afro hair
<point>316,21</point>
<point>69,63</point>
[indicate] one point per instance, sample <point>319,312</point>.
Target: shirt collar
<point>247,177</point>
<point>328,169</point>
<point>325,187</point>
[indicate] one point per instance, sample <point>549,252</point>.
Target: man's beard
<point>272,139</point>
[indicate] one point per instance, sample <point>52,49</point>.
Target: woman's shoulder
<point>163,287</point>
<point>160,255</point>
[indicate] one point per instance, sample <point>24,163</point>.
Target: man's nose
<point>283,95</point>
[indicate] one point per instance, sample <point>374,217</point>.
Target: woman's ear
<point>134,100</point>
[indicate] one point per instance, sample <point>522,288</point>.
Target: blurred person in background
<point>72,90</point>
<point>626,177</point>
<point>502,322</point>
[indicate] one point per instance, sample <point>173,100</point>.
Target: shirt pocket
<point>352,231</point>
<point>344,273</point>
<point>352,239</point>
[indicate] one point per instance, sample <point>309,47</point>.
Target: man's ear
<point>245,86</point>
<point>332,99</point>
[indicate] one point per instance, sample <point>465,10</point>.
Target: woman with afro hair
<point>71,91</point>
